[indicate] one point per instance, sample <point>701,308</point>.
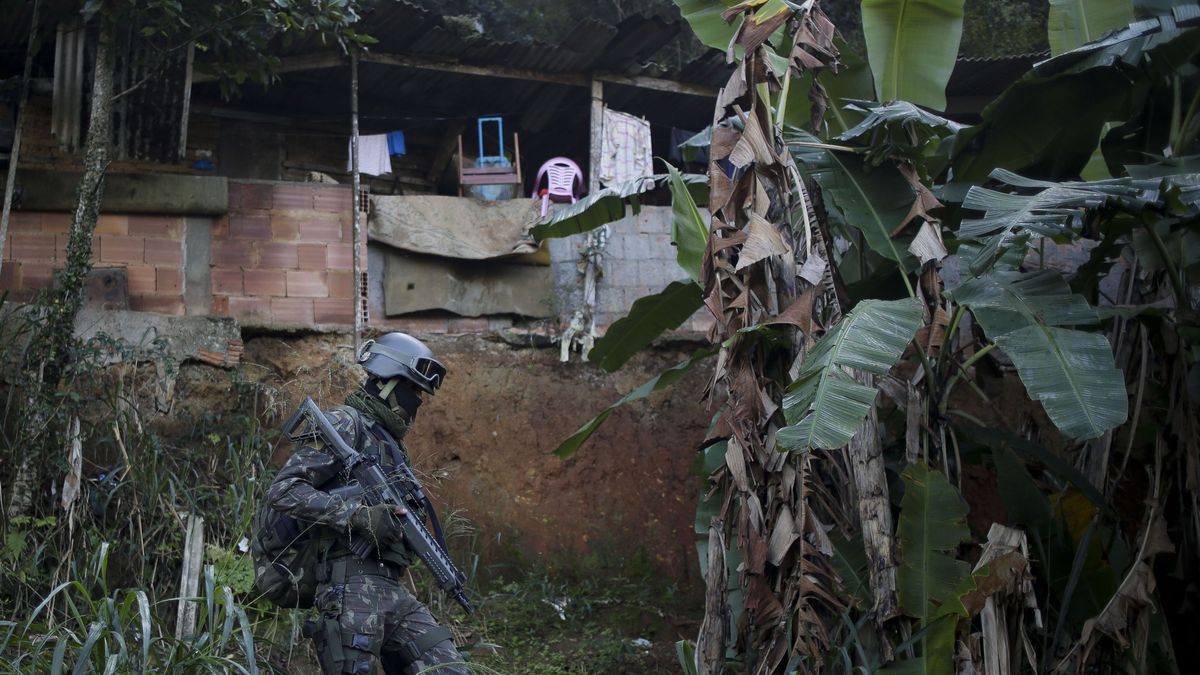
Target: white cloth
<point>625,153</point>
<point>373,156</point>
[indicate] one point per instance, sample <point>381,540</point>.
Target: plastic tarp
<point>453,227</point>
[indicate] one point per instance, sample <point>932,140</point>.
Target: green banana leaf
<point>825,405</point>
<point>1048,123</point>
<point>607,205</point>
<point>930,582</point>
<point>1009,218</point>
<point>1071,372</point>
<point>704,16</point>
<point>1073,23</point>
<point>689,232</point>
<point>656,383</point>
<point>900,131</point>
<point>647,319</point>
<point>873,200</point>
<point>912,46</point>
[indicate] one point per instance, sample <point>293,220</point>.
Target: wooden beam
<point>658,84</point>
<point>290,64</point>
<point>596,135</point>
<point>407,61</point>
<point>306,62</point>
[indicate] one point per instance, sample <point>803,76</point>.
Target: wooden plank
<point>491,179</point>
<point>658,84</point>
<point>597,136</point>
<point>569,79</point>
<point>320,61</point>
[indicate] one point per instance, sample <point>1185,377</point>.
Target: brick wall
<point>282,257</point>
<point>150,248</point>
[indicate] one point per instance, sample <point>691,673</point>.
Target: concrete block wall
<point>150,248</point>
<point>282,257</point>
<point>639,260</point>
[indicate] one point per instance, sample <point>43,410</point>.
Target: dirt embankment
<point>484,444</point>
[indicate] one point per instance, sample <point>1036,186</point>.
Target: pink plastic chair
<point>564,182</point>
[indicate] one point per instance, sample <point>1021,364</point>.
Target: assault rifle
<point>375,487</point>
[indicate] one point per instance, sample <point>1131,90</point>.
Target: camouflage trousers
<point>372,619</point>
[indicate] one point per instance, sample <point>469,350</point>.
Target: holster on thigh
<point>412,652</point>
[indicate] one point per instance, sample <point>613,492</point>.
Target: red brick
<point>339,257</point>
<point>468,325</point>
<point>10,276</point>
<point>291,312</point>
<point>155,226</point>
<point>424,324</point>
<point>220,305</point>
<point>307,284</point>
<point>170,280</point>
<point>235,195</point>
<point>141,279</point>
<point>250,196</point>
<point>264,282</point>
<point>293,197</point>
<point>36,275</point>
<point>60,243</point>
<point>27,246</point>
<point>277,255</point>
<point>226,280</point>
<point>251,308</point>
<point>326,230</point>
<point>333,311</point>
<point>341,284</point>
<point>108,223</point>
<point>249,227</point>
<point>59,223</point>
<point>311,256</point>
<point>220,228</point>
<point>26,221</point>
<point>114,248</point>
<point>227,253</point>
<point>164,252</point>
<point>332,199</point>
<point>284,228</point>
<point>160,304</point>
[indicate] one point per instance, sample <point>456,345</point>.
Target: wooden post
<point>356,185</point>
<point>597,135</point>
<point>189,577</point>
<point>16,145</point>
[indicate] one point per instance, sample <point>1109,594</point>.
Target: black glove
<point>379,523</point>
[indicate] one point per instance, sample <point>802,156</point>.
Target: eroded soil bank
<point>484,445</point>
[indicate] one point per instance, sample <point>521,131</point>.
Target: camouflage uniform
<point>367,612</point>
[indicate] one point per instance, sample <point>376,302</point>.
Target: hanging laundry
<point>373,156</point>
<point>396,143</point>
<point>625,153</point>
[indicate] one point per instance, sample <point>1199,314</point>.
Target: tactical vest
<point>377,444</point>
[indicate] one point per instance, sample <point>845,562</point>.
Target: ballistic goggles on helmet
<point>422,369</point>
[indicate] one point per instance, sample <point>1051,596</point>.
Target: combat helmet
<point>401,355</point>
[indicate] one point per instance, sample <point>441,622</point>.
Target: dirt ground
<point>484,444</point>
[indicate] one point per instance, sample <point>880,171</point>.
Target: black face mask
<point>402,396</point>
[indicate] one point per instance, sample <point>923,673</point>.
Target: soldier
<point>367,612</point>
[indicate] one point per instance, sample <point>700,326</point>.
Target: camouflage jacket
<point>302,487</point>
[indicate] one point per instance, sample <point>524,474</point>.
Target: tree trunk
<point>71,281</point>
<point>50,351</point>
<point>15,155</point>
